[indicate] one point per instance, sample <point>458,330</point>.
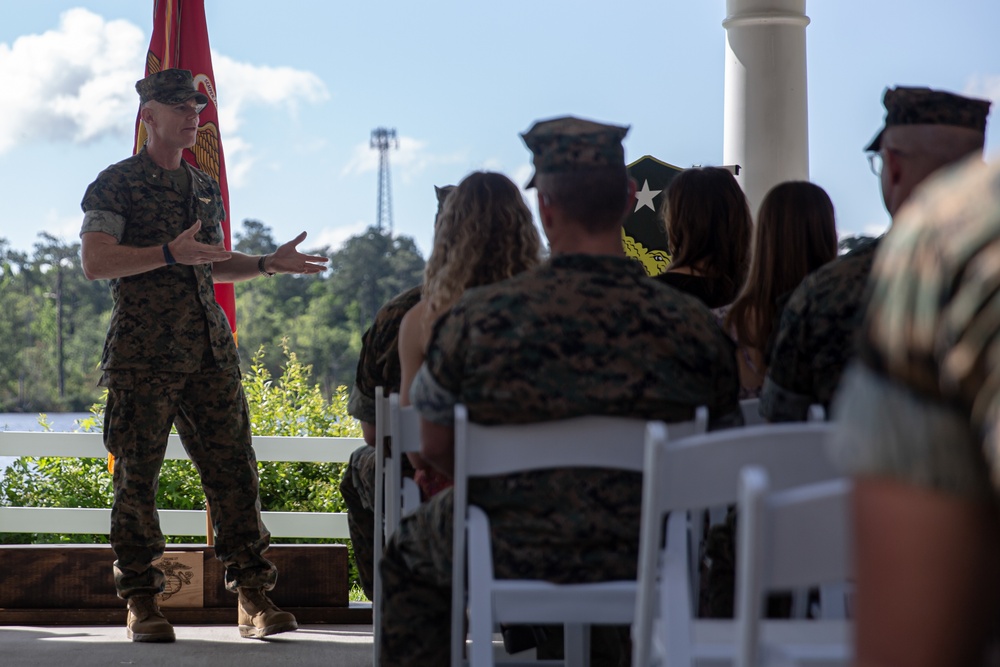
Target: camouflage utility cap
<point>923,106</point>
<point>569,144</point>
<point>170,86</point>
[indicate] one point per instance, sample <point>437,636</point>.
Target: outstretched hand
<point>287,259</point>
<point>186,250</point>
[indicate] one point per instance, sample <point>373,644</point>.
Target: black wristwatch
<point>260,267</point>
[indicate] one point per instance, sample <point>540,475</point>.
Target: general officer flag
<point>644,236</point>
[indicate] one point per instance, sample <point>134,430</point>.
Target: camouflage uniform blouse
<point>816,337</point>
<point>922,404</point>
<point>378,364</point>
<point>166,319</point>
<point>579,335</point>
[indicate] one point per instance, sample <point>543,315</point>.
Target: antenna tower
<point>383,140</point>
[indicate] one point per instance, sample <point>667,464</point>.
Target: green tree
<point>50,335</point>
<point>323,316</point>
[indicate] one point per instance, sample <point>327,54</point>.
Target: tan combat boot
<point>259,618</point>
<point>145,622</point>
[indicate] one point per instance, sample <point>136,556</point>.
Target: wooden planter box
<point>74,585</point>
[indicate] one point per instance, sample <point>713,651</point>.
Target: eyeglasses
<point>875,162</point>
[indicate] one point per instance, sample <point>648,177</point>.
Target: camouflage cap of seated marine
<point>170,86</point>
<point>924,106</point>
<point>568,144</point>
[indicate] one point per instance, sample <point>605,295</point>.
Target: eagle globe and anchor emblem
<point>176,576</point>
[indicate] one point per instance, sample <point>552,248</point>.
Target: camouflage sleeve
<point>106,205</point>
<point>436,389</point>
<point>887,430</point>
<point>361,403</point>
<point>787,391</point>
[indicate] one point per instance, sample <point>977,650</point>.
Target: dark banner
<point>644,236</point>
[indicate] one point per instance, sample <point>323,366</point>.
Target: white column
<point>766,121</point>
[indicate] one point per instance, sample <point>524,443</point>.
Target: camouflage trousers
<point>358,490</point>
<point>210,412</point>
<point>416,589</point>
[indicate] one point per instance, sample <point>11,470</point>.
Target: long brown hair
<point>796,234</point>
<point>709,225</point>
<point>484,234</point>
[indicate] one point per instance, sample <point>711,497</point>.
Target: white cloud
<point>408,160</point>
<point>64,227</point>
<point>983,85</point>
<point>242,85</point>
<point>876,229</point>
<point>238,160</point>
<point>334,237</point>
<point>75,84</point>
<point>521,176</point>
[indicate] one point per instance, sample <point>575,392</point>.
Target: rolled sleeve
<point>104,221</point>
<point>360,406</point>
<point>434,403</point>
<point>887,430</point>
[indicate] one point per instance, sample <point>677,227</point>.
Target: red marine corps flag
<point>180,40</point>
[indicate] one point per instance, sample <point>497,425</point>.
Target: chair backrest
<point>695,473</point>
<point>484,451</point>
<point>786,539</point>
<point>402,495</point>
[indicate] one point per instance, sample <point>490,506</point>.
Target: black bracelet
<point>260,267</point>
<point>167,257</point>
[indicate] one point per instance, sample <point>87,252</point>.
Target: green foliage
<point>48,306</point>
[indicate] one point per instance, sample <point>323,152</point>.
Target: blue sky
<point>302,84</point>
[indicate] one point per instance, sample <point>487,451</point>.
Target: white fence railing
<point>173,522</point>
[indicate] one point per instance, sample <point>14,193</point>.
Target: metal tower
<point>382,140</point>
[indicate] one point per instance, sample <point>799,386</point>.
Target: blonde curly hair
<point>484,234</point>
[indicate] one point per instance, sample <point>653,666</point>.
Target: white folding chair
<point>402,494</point>
<point>790,539</point>
<point>751,413</point>
<point>393,492</point>
<point>681,478</point>
<point>381,430</point>
<point>485,451</point>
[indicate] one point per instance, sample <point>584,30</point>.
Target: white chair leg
<point>576,644</point>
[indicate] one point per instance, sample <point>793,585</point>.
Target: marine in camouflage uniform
<point>581,334</point>
<point>378,366</point>
<point>815,339</point>
<point>922,402</point>
<point>169,358</point>
<point>919,429</point>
